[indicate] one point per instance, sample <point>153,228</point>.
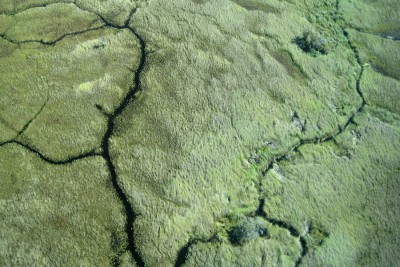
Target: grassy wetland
<point>199,133</point>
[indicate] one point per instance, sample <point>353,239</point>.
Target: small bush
<point>246,230</point>
<point>313,43</point>
<point>317,235</point>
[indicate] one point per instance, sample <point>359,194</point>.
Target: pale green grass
<point>76,74</point>
<point>50,23</point>
<point>115,11</point>
<point>257,252</point>
<point>214,95</point>
<point>381,91</point>
<point>256,5</point>
<point>5,23</point>
<point>225,89</point>
<point>382,54</point>
<point>6,132</point>
<point>57,215</point>
<point>350,189</point>
<point>15,6</point>
<point>380,17</point>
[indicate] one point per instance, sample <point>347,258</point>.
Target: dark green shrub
<point>313,43</point>
<point>246,230</point>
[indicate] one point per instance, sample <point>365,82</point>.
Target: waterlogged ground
<point>199,133</point>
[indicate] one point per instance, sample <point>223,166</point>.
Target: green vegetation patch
<point>379,17</point>
<point>69,80</point>
<point>5,23</point>
<point>381,91</point>
<point>10,7</point>
<point>6,132</point>
<point>343,194</point>
<point>114,11</point>
<point>214,92</point>
<point>51,22</point>
<point>313,43</point>
<point>57,215</point>
<point>225,96</point>
<point>277,248</point>
<point>256,5</point>
<point>382,54</point>
<point>247,229</point>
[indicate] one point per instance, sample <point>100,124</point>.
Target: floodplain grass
<point>75,75</point>
<point>381,54</point>
<point>114,11</point>
<point>378,17</point>
<point>10,7</point>
<point>6,132</point>
<point>259,250</point>
<point>49,23</point>
<point>257,5</point>
<point>182,148</point>
<point>224,92</point>
<point>348,187</point>
<point>57,215</point>
<point>381,91</point>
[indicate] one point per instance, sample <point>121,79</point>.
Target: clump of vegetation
<point>313,43</point>
<point>317,235</point>
<point>247,229</point>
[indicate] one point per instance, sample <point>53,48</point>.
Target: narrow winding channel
<point>128,99</point>
<point>105,143</point>
<point>184,251</point>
